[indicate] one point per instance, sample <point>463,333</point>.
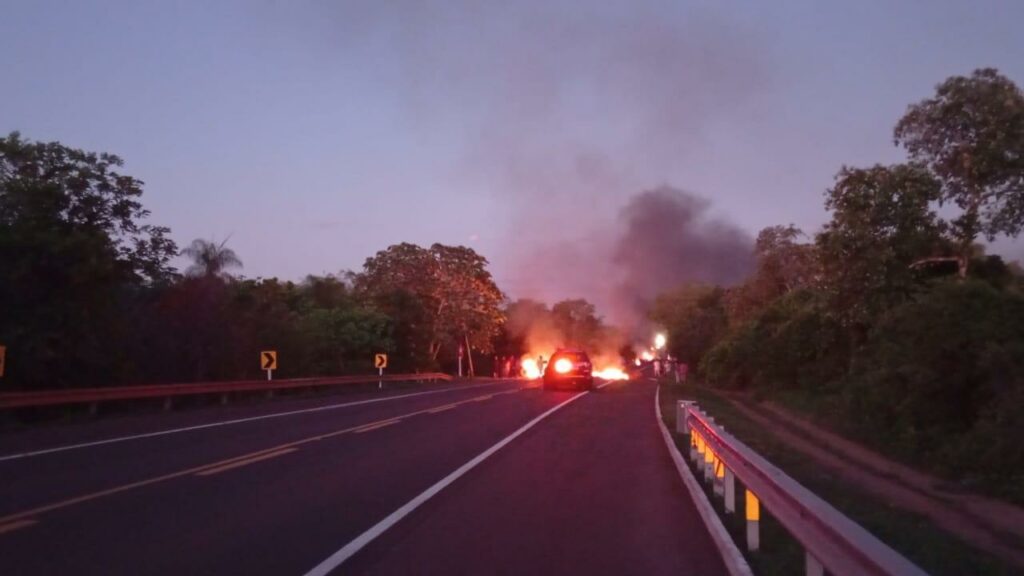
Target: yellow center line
<point>240,463</point>
<point>11,521</point>
<point>12,526</point>
<point>376,425</point>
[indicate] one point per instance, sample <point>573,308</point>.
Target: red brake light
<point>563,365</point>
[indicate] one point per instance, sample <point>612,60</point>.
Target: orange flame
<point>611,373</point>
<point>530,369</point>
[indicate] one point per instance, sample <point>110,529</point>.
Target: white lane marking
<point>235,421</point>
<point>346,552</point>
<point>731,555</point>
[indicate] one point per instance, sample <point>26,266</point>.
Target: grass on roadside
<point>934,550</point>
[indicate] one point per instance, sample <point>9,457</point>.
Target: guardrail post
<point>719,481</point>
<point>730,491</point>
<point>682,416</point>
<point>693,447</point>
<point>753,507</point>
<point>701,447</point>
<point>709,460</point>
<point>814,568</point>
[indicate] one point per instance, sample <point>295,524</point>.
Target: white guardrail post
<point>832,543</point>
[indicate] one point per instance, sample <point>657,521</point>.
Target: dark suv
<point>570,368</point>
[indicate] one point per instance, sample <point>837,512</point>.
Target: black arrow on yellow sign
<point>268,359</point>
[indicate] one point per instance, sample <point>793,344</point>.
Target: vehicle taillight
<point>563,365</point>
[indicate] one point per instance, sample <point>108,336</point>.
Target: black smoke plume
<point>668,238</point>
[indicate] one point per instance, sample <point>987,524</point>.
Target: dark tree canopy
<point>54,194</point>
<point>971,136</point>
<point>882,222</point>
<point>72,243</point>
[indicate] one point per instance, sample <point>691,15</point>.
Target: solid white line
<point>235,421</point>
<point>734,561</point>
<point>365,538</point>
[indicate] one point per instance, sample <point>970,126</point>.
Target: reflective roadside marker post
<point>380,362</point>
<point>268,362</point>
<point>460,360</point>
<point>753,522</point>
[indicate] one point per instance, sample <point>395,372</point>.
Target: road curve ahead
<point>494,478</point>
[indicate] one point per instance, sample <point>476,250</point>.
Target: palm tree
<point>209,259</point>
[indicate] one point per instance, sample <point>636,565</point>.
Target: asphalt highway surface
<point>484,477</point>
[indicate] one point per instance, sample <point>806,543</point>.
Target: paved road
<point>484,478</point>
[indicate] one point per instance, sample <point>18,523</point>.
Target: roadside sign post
<point>460,360</point>
<point>380,362</point>
<point>268,362</point>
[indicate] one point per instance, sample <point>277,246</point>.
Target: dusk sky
<point>316,133</point>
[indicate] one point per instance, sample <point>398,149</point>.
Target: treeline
<point>891,323</point>
<point>88,295</point>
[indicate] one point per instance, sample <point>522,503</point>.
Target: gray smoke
<point>669,239</point>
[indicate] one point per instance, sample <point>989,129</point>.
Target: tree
<point>471,310</point>
<point>209,259</point>
<point>694,316</point>
<point>401,282</point>
<point>447,287</point>
<point>783,265</point>
<point>971,136</point>
<point>74,246</point>
<point>881,224</point>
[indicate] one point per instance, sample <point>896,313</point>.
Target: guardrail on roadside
<point>93,396</point>
<point>832,542</point>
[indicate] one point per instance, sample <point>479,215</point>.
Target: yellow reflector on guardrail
<point>753,507</point>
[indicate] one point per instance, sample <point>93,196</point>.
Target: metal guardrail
<point>10,400</point>
<point>832,542</point>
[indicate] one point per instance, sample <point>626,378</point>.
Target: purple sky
<point>316,133</point>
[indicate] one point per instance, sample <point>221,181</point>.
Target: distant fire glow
<point>611,373</point>
<point>659,341</point>
<point>647,355</point>
<point>530,369</point>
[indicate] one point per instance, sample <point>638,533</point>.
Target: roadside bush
<point>792,344</point>
<point>940,380</point>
